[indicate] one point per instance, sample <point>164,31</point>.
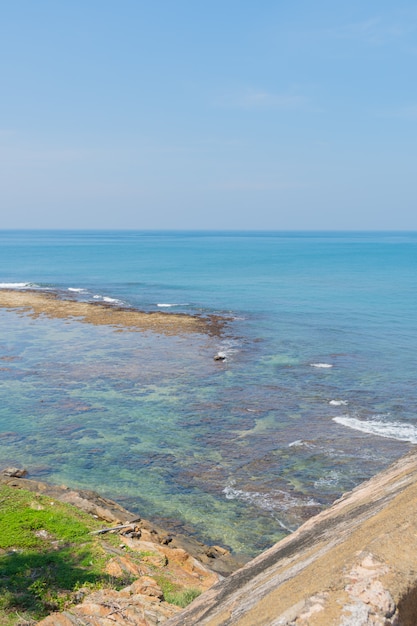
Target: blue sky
<point>229,114</point>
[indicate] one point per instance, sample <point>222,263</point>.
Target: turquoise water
<point>317,392</point>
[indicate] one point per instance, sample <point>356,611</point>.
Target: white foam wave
<point>107,299</point>
<point>76,289</point>
<point>16,285</point>
<point>299,443</point>
<point>331,479</point>
<point>321,365</point>
<point>390,430</point>
<point>111,300</point>
<point>228,348</point>
<point>272,502</point>
<point>338,402</point>
<point>167,305</point>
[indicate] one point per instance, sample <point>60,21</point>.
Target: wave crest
<point>391,430</point>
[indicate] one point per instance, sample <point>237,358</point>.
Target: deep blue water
<point>322,326</point>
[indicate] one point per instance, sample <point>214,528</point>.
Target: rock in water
<point>14,472</point>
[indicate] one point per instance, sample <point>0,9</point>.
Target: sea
<point>316,392</point>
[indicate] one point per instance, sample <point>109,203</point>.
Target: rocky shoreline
<point>351,565</point>
<point>216,558</point>
<point>54,304</point>
<point>142,552</point>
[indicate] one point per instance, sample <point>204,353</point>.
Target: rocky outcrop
<point>142,603</point>
<point>352,565</point>
<point>60,305</point>
<point>216,558</point>
<point>164,573</point>
<point>137,605</point>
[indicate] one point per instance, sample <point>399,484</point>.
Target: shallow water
<point>237,453</point>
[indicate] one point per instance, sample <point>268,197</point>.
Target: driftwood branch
<point>120,527</point>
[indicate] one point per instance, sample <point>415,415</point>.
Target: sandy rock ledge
<point>354,564</point>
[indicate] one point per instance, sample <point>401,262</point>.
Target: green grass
<point>174,594</point>
<point>22,513</point>
<point>46,553</point>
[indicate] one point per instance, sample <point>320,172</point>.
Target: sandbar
<point>52,305</point>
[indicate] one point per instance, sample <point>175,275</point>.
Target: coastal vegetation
<point>51,557</point>
<point>47,554</point>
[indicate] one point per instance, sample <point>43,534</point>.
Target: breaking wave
<point>391,430</point>
<point>321,365</point>
<point>274,502</point>
<point>107,299</point>
<point>167,305</point>
<point>17,285</point>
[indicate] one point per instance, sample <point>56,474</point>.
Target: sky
<point>220,114</point>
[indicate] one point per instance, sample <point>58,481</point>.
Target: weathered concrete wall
<point>351,565</point>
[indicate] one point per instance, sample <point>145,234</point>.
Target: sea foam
<point>16,285</point>
<point>331,479</point>
<point>392,430</point>
<point>167,305</point>
<point>321,365</point>
<point>273,502</point>
<point>107,299</point>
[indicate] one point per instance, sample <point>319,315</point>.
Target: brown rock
<point>14,472</point>
<point>157,560</point>
<point>149,535</point>
<point>177,554</point>
<point>215,552</point>
<point>119,566</point>
<point>60,619</point>
<point>110,607</point>
<point>147,586</point>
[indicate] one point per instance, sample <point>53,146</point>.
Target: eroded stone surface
<point>352,565</point>
<point>140,604</point>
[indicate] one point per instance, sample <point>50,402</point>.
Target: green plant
<point>174,594</point>
<point>46,552</point>
<point>183,597</point>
